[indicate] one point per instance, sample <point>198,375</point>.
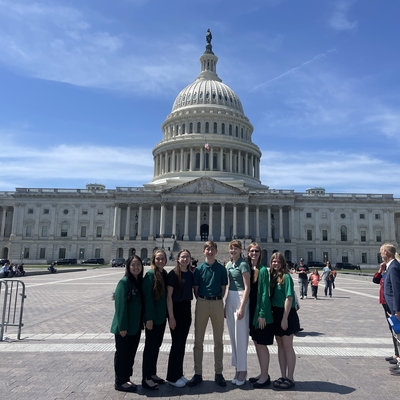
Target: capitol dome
<point>207,132</point>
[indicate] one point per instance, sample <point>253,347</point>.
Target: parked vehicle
<point>66,261</point>
<point>315,264</point>
<point>118,262</point>
<point>94,261</point>
<point>347,266</point>
<point>4,261</point>
<point>146,261</point>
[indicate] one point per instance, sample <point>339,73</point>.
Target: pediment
<point>205,185</point>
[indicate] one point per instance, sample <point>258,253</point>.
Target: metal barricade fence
<point>12,297</point>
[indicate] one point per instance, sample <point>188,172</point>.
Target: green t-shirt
<point>210,279</point>
<point>235,274</point>
<point>283,291</point>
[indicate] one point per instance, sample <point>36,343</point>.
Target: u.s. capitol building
<point>206,186</point>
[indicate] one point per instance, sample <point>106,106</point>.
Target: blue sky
<point>86,85</point>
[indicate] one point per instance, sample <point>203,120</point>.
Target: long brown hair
<point>258,265</point>
<point>177,268</point>
<point>278,276</point>
<point>159,284</point>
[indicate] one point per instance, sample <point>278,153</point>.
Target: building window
<point>99,231</point>
<point>44,231</point>
<point>28,231</point>
<point>100,212</point>
<point>308,215</point>
<point>65,211</point>
<point>30,210</point>
<point>378,258</point>
<point>324,235</point>
<point>42,253</point>
<point>343,216</point>
<point>345,257</point>
<point>378,236</point>
<point>362,216</point>
<point>191,127</point>
<point>26,252</point>
<point>197,161</point>
<point>199,127</point>
<point>230,130</point>
<point>84,212</point>
<point>97,253</point>
<point>223,128</point>
<point>46,211</point>
<point>81,254</point>
<point>377,216</point>
<point>215,127</point>
<point>324,215</point>
<point>183,129</point>
<point>309,234</point>
<point>364,259</point>
<point>363,236</point>
<point>83,231</point>
<point>237,131</point>
<point>207,127</point>
<point>343,234</point>
<point>64,229</point>
<point>61,253</point>
<point>310,256</point>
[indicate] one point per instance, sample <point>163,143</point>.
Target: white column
<point>234,230</point>
<point>333,225</point>
<point>15,220</point>
<point>210,159</point>
<point>3,222</point>
<point>246,221</point>
<point>191,160</point>
<point>162,220</point>
<point>222,238</point>
<point>127,222</point>
<point>198,237</point>
<point>221,159</point>
<point>151,227</point>
<point>181,167</point>
<point>115,220</point>
<point>37,219</point>
<point>247,164</point>
<point>186,232</point>
<point>201,159</point>
<point>292,234</point>
<point>140,222</point>
<point>173,166</point>
<point>355,226</point>
<point>230,160</point>
<point>257,224</point>
<point>210,222</point>
<point>316,224</point>
<point>281,238</point>
<point>165,162</point>
<point>269,239</point>
<point>174,221</point>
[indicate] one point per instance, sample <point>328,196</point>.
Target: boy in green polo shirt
<point>210,280</point>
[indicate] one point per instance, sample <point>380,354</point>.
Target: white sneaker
<point>184,379</point>
<point>179,383</point>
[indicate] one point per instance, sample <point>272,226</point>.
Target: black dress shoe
<point>257,385</point>
<point>252,380</point>
<point>394,361</point>
<point>158,380</point>
<point>197,378</point>
<point>220,380</point>
<point>147,386</point>
<point>130,388</point>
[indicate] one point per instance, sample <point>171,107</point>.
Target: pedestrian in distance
<point>127,323</point>
<point>179,303</point>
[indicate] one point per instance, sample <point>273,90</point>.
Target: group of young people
<point>254,301</point>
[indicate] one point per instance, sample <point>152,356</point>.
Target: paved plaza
<point>66,351</point>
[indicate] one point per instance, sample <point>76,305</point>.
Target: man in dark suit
<point>391,287</point>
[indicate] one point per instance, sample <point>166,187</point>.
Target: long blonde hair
<point>159,284</point>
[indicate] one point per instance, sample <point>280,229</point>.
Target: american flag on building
<point>207,147</point>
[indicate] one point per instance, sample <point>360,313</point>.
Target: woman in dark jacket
<point>155,299</point>
<point>127,323</point>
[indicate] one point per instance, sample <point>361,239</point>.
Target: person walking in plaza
<point>286,320</point>
<point>379,279</point>
<point>127,323</point>
<point>260,314</point>
<point>302,271</point>
<point>391,287</point>
<point>210,280</point>
<point>327,276</point>
<point>237,310</point>
<point>179,303</point>
<point>155,301</point>
<point>314,280</point>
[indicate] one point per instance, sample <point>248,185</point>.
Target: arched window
<point>215,162</point>
<point>237,131</point>
<point>230,130</point>
<point>224,162</point>
<point>223,128</point>
<point>207,127</point>
<point>197,166</point>
<point>199,127</point>
<point>243,165</point>
<point>188,162</point>
<point>64,229</point>
<point>215,127</point>
<point>241,133</point>
<point>183,129</point>
<point>191,127</point>
<point>343,233</point>
<point>206,161</point>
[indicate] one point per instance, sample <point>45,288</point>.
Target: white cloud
<point>340,20</point>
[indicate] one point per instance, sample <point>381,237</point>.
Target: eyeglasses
<point>254,251</point>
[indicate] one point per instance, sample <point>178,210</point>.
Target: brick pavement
<point>67,350</point>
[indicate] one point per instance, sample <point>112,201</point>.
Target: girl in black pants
<point>179,297</point>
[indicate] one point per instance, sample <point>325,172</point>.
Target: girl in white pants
<point>237,310</point>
